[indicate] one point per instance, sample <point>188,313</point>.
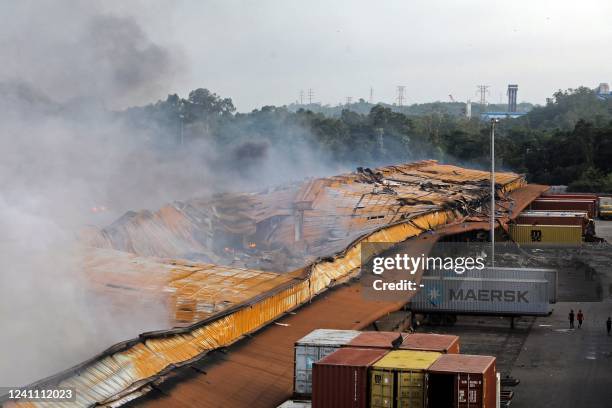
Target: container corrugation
<point>546,234</point>
<point>554,218</point>
<point>461,380</point>
<point>465,295</point>
<point>341,379</point>
<point>398,380</point>
<point>379,339</point>
<point>310,349</point>
<point>550,275</point>
<point>442,343</point>
<point>564,205</point>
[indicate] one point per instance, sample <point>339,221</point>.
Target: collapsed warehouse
<point>228,266</point>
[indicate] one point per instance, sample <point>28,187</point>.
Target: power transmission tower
<point>371,99</point>
<point>400,95</point>
<point>310,95</point>
<point>349,100</point>
<point>483,90</point>
<point>301,96</point>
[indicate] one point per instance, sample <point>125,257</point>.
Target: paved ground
<point>603,229</point>
<point>559,367</point>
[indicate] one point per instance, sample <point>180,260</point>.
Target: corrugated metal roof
<point>335,211</point>
<point>257,372</point>
<point>389,205</point>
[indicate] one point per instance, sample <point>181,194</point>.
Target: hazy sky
<point>264,52</point>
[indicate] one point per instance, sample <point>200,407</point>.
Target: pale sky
<point>263,52</point>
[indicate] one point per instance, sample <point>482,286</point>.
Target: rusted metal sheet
<point>389,204</point>
<point>243,377</point>
<point>443,343</point>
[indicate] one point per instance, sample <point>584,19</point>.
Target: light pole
<point>493,123</point>
<point>181,117</point>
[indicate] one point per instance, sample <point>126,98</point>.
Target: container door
<point>381,388</point>
<point>410,389</point>
<point>305,356</point>
<point>469,393</point>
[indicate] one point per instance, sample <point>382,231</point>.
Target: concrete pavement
<point>559,367</point>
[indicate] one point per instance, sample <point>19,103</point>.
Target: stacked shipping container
<point>555,203</point>
<point>459,380</point>
<point>310,349</point>
<point>398,380</point>
<point>341,379</point>
<point>322,342</point>
<point>370,371</point>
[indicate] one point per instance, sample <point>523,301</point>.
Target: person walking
<point>609,324</point>
<point>580,318</point>
<point>571,318</point>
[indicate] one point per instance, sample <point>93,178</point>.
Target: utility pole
<point>349,100</point>
<point>301,96</point>
<point>400,95</point>
<point>310,95</point>
<point>493,123</point>
<point>371,99</point>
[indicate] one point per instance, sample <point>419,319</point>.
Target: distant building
<point>603,91</point>
<point>512,93</point>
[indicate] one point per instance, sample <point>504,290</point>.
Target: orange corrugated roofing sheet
<point>335,210</point>
<point>190,291</point>
<point>386,205</point>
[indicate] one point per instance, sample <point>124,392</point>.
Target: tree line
<point>568,141</point>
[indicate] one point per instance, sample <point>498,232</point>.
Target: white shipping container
<point>313,347</point>
<point>457,294</point>
<point>515,273</point>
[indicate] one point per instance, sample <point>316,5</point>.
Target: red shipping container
<point>564,205</point>
<point>441,343</point>
<point>340,380</point>
<point>377,339</point>
<point>463,381</point>
<point>550,218</point>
